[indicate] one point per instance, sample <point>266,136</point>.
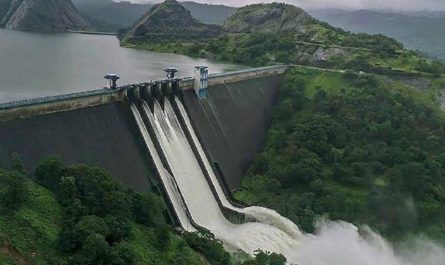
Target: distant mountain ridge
<point>210,14</point>
<point>41,15</point>
<point>422,30</point>
<point>170,20</point>
<point>109,15</point>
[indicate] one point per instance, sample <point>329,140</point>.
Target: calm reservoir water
<point>35,65</point>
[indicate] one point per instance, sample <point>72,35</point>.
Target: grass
<point>33,230</point>
<point>32,234</point>
<point>330,82</point>
<point>144,243</point>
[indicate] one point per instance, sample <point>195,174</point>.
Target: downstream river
<point>35,65</point>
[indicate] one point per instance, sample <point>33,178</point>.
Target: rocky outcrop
<point>170,20</point>
<point>268,18</point>
<point>41,15</point>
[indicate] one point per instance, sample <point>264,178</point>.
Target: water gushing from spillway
<point>336,243</point>
<point>199,198</point>
<point>165,176</point>
<point>341,243</point>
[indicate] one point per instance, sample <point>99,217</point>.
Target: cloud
<point>347,4</point>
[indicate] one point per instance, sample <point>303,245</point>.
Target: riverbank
<point>92,32</point>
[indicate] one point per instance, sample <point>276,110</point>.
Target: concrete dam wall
<point>100,136</point>
<point>97,127</point>
<point>232,122</point>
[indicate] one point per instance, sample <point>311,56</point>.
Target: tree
<point>163,235</point>
<point>121,254</point>
<point>148,209</point>
<point>17,164</point>
<point>67,191</point>
<point>120,228</point>
<point>14,191</point>
<point>266,258</point>
<point>96,249</point>
<point>49,172</point>
<point>91,224</point>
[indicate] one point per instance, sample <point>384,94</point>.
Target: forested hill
<point>169,21</point>
<point>210,14</point>
<point>108,15</point>
<point>265,34</point>
<point>366,149</point>
<point>416,30</point>
<point>80,215</point>
<point>41,15</point>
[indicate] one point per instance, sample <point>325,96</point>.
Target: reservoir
<point>36,65</point>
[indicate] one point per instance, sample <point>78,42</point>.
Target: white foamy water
<point>167,179</point>
<point>335,243</point>
<point>198,196</point>
<point>341,243</point>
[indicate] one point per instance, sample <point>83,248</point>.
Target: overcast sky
<point>354,4</point>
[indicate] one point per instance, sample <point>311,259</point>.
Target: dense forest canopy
<point>80,215</point>
<point>265,34</point>
<point>356,148</point>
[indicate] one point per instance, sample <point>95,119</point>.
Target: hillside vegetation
<point>167,22</point>
<point>353,147</point>
<point>108,15</point>
<point>265,34</point>
<point>416,30</point>
<point>80,215</point>
<point>41,15</point>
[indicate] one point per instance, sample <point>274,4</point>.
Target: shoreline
<point>92,32</point>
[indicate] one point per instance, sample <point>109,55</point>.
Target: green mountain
<point>41,15</point>
<point>109,15</point>
<point>416,30</point>
<point>209,14</point>
<point>263,34</point>
<point>170,21</point>
<point>270,18</point>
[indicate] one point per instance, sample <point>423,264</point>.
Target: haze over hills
<point>108,15</point>
<point>263,34</point>
<point>41,15</point>
<point>420,30</point>
<point>168,21</point>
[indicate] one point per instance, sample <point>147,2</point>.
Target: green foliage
<point>163,236</point>
<point>266,258</point>
<point>260,40</point>
<point>359,150</point>
<point>205,243</point>
<point>17,164</point>
<point>13,190</point>
<point>96,249</point>
<point>147,209</point>
<point>49,172</point>
<point>32,229</point>
<point>85,223</point>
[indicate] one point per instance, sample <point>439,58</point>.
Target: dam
<point>190,145</point>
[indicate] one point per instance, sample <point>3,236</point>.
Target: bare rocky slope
<point>41,15</point>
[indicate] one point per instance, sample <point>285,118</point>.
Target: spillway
<point>269,231</point>
<point>167,179</point>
